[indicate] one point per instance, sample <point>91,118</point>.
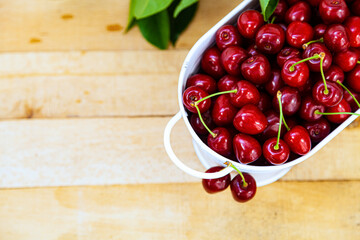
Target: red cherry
<point>280,11</point>
<point>256,69</point>
<point>270,38</point>
<point>353,78</point>
<point>247,149</point>
<point>355,7</point>
<point>333,97</point>
<point>296,77</point>
<point>227,82</point>
<point>193,94</point>
<point>353,26</point>
<point>351,100</point>
<point>276,156</point>
<point>300,11</point>
<point>222,142</point>
<point>249,22</point>
<point>250,120</point>
<point>203,81</point>
<point>211,63</point>
<point>336,38</point>
<point>343,106</point>
<point>232,58</point>
<point>223,112</point>
<point>319,31</point>
<point>197,124</point>
<point>318,130</point>
<point>246,93</point>
<point>346,60</point>
<point>306,89</point>
<point>290,100</point>
<point>286,53</point>
<point>333,11</point>
<point>308,108</point>
<point>299,33</point>
<point>334,73</point>
<point>314,64</point>
<point>218,184</point>
<point>241,193</point>
<point>275,82</point>
<point>265,102</point>
<point>298,140</point>
<point>252,50</point>
<point>227,36</point>
<point>273,126</point>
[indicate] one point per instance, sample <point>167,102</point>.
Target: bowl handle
<point>181,165</point>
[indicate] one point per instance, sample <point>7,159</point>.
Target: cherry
<point>351,100</point>
<point>346,60</point>
<point>227,82</point>
<point>211,63</point>
<point>193,94</point>
<point>197,124</point>
<point>300,11</point>
<point>319,30</point>
<point>280,11</point>
<point>295,76</point>
<point>270,38</point>
<point>314,64</point>
<point>240,192</point>
<point>299,33</point>
<point>265,102</point>
<point>256,69</point>
<point>252,50</point>
<point>221,142</point>
<point>218,184</point>
<point>246,93</point>
<point>355,7</point>
<point>223,112</point>
<point>353,26</point>
<point>250,120</point>
<point>227,36</point>
<point>332,98</point>
<point>334,73</point>
<point>247,149</point>
<point>336,38</point>
<point>318,129</point>
<point>203,81</point>
<point>285,54</point>
<point>249,22</point>
<point>290,100</point>
<point>333,11</point>
<point>306,89</point>
<point>275,82</point>
<point>343,106</point>
<point>353,78</point>
<point>298,140</point>
<point>273,155</point>
<point>232,58</point>
<point>273,126</point>
<point>308,108</point>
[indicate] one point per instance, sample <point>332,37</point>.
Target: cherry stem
<point>245,184</point>
<point>305,45</point>
<point>338,82</point>
<point>322,56</point>
<point>273,19</point>
<point>278,95</point>
<point>315,56</point>
<point>336,113</point>
<point>358,62</point>
<point>198,110</point>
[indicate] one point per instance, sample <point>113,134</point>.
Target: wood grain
<point>130,150</point>
<point>291,210</point>
<point>41,25</point>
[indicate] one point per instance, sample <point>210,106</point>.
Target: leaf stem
<point>245,184</point>
<point>338,82</point>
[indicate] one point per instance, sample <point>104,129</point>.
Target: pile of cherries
<point>267,92</point>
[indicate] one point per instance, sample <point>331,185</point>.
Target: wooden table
<point>67,69</point>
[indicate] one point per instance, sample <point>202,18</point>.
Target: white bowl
<point>263,174</point>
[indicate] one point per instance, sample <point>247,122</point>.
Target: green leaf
<point>183,5</point>
<point>156,29</point>
<point>268,8</point>
<point>181,22</point>
<point>131,18</point>
<point>147,8</point>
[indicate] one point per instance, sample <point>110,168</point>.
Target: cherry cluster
<point>267,92</point>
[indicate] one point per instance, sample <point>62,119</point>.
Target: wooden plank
<point>296,210</point>
<point>65,152</point>
<point>40,25</point>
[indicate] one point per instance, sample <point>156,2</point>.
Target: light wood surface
<point>82,103</point>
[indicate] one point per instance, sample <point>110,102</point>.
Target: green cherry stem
<point>335,113</point>
<point>278,95</point>
<point>322,56</point>
<point>198,110</point>
<point>358,62</point>
<point>315,56</point>
<point>273,19</point>
<point>245,184</point>
<point>305,45</point>
<point>338,82</point>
